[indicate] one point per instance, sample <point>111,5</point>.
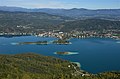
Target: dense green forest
<point>91,24</point>
<point>29,22</point>
<point>35,66</point>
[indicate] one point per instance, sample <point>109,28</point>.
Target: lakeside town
<point>115,34</point>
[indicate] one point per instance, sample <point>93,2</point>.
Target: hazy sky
<point>90,4</point>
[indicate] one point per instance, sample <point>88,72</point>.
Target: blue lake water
<point>94,54</point>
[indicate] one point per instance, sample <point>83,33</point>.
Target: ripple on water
<point>3,44</point>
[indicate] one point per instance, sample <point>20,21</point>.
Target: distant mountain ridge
<point>74,13</point>
<point>12,9</point>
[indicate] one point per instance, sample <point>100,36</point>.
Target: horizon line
<point>58,8</point>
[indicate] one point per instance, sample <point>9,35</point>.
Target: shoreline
<point>10,36</point>
<point>66,53</point>
<point>78,64</point>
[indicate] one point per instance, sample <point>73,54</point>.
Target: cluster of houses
<point>73,34</point>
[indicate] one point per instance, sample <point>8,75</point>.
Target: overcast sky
<point>89,4</point>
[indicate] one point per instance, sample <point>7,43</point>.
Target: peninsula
<point>35,66</point>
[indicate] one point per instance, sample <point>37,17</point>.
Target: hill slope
<point>90,24</point>
<point>28,21</point>
<point>34,66</point>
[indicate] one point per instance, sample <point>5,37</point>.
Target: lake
<point>94,54</point>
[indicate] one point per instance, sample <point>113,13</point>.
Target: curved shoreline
<point>78,64</point>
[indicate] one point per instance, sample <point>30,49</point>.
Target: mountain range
<point>76,13</point>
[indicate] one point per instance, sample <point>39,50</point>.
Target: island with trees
<point>36,43</point>
<point>66,53</point>
<point>61,42</point>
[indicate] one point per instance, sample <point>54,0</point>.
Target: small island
<point>36,43</point>
<point>66,53</point>
<point>62,53</point>
<point>61,41</point>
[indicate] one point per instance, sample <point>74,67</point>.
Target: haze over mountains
<point>74,13</point>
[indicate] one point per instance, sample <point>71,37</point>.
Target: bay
<point>95,55</point>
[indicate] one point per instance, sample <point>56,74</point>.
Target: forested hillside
<point>28,21</point>
<point>33,22</point>
<point>35,66</point>
<point>90,24</point>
